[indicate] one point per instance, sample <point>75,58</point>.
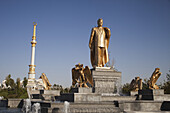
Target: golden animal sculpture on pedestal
<point>81,76</point>
<point>155,75</point>
<point>136,84</point>
<point>98,44</point>
<point>46,82</point>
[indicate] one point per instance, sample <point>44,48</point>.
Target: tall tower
<point>31,73</point>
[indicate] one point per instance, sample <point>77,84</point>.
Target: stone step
<point>82,110</point>
<point>146,112</point>
<point>104,107</point>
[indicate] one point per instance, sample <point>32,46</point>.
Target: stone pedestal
<point>133,93</point>
<point>105,79</point>
<point>81,90</point>
<point>44,94</point>
<point>80,97</point>
<point>31,84</point>
<point>151,94</point>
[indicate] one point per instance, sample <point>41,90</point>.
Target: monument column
<point>31,73</point>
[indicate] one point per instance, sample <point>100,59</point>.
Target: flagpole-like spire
<point>31,73</point>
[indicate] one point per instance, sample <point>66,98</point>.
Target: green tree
<point>54,87</point>
<point>25,81</point>
<point>66,90</point>
<point>166,84</point>
<point>18,83</point>
<point>168,76</point>
<point>126,89</point>
<point>15,91</point>
<point>10,82</point>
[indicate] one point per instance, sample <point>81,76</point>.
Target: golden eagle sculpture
<point>155,75</point>
<point>136,84</point>
<point>47,85</point>
<point>81,77</point>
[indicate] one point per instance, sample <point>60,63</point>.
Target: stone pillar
<point>105,79</point>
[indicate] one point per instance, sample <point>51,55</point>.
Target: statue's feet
<point>101,65</point>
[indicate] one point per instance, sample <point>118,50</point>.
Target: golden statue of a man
<point>98,44</point>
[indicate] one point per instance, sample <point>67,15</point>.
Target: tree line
<point>17,89</point>
<point>12,89</point>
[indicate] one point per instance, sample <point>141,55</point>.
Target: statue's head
<point>157,68</point>
<point>100,22</point>
<point>137,78</point>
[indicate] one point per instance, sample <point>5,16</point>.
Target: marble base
<point>44,94</point>
<point>105,79</point>
<point>142,106</point>
<point>81,90</point>
<point>84,107</point>
<point>151,94</point>
<point>31,83</point>
<point>80,97</point>
<point>133,93</point>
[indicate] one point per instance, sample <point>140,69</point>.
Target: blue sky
<point>140,36</point>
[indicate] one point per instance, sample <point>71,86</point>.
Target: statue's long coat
<point>94,45</point>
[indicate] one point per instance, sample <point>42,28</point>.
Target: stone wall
<point>106,98</point>
<point>143,106</point>
<point>83,108</point>
<point>3,103</point>
<point>15,103</point>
